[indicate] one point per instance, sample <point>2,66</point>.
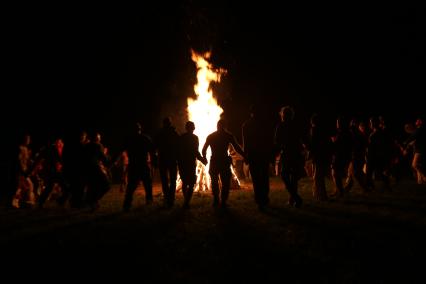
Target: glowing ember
<point>204,110</point>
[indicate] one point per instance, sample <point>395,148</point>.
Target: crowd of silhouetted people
<point>79,174</point>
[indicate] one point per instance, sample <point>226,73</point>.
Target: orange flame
<point>204,110</point>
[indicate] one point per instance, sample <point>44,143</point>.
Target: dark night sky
<point>105,68</point>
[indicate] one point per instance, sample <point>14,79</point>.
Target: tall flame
<point>204,110</point>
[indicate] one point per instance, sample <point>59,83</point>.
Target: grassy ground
<point>374,238</point>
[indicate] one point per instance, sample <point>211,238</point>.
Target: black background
<point>102,68</point>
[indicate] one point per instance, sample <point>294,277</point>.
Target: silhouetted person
<point>359,149</point>
<point>378,154</point>
<point>138,148</point>
<point>342,154</point>
<point>188,155</point>
<point>53,167</point>
<point>407,149</point>
<point>25,187</point>
<point>98,182</point>
<point>394,150</point>
<point>166,143</point>
<point>220,162</point>
<point>75,168</point>
<point>122,163</point>
<point>320,153</point>
<point>258,147</point>
<point>288,143</point>
<point>418,164</point>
